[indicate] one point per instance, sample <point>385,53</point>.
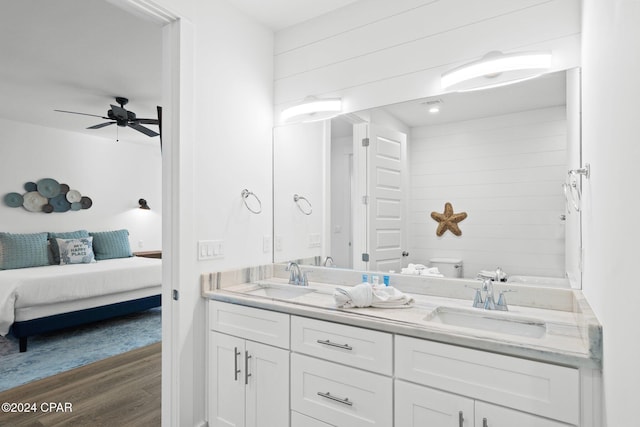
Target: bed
<point>42,299</point>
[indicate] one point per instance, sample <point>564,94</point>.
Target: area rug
<point>56,352</point>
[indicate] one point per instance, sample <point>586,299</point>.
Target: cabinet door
<point>226,399</point>
<point>488,415</point>
<point>417,406</point>
<point>267,385</point>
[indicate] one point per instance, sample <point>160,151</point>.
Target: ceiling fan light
<point>312,109</point>
<point>496,69</point>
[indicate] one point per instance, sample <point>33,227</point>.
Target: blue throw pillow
<point>55,251</point>
<point>23,250</point>
<point>111,244</point>
<point>76,251</point>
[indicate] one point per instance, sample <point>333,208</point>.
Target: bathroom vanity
<point>283,355</point>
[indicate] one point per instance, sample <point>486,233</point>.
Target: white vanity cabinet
<point>248,380</point>
<point>472,388</point>
<point>340,375</point>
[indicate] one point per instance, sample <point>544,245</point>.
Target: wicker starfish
<point>448,220</point>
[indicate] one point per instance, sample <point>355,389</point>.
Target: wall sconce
<point>496,69</point>
<point>143,204</point>
<point>312,109</point>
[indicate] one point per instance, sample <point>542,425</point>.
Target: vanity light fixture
<point>312,109</point>
<point>143,204</point>
<point>496,69</point>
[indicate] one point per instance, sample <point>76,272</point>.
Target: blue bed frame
<point>27,328</point>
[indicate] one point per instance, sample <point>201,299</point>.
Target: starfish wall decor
<point>448,220</point>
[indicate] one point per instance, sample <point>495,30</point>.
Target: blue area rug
<point>56,352</point>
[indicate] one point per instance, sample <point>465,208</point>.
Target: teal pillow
<point>23,250</point>
<point>53,243</point>
<point>111,244</point>
<point>76,251</point>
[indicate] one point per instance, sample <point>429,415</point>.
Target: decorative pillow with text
<point>76,251</point>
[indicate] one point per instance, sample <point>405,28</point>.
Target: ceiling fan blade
<point>119,112</point>
<point>142,129</point>
<point>147,121</point>
<point>159,108</point>
<point>101,125</point>
<point>82,114</point>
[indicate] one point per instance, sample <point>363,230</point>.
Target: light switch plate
<point>266,244</point>
<point>210,249</point>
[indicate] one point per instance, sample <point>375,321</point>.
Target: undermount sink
<point>279,291</point>
<point>488,321</point>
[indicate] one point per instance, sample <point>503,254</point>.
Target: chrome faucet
<point>488,302</point>
<point>328,261</point>
<point>296,275</point>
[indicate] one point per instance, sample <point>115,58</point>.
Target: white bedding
<point>37,286</point>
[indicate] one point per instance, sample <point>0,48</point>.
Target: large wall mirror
<point>360,188</point>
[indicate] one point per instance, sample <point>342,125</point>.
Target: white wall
<point>611,91</point>
<point>113,174</point>
<point>378,52</point>
<point>298,166</point>
<point>223,87</point>
<point>341,195</point>
<point>506,173</point>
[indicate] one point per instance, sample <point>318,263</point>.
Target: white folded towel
<point>366,295</point>
<point>432,271</point>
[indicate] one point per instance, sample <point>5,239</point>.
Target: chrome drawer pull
<point>246,367</point>
<point>332,344</point>
<point>235,364</point>
<point>344,401</point>
<point>485,423</point>
<point>460,419</point>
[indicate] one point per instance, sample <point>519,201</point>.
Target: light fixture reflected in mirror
<point>312,109</point>
<point>143,204</point>
<point>496,69</point>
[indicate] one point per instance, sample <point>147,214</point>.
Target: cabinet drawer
<point>539,388</point>
<point>300,420</point>
<point>497,416</point>
<point>254,324</point>
<point>358,347</point>
<point>339,395</point>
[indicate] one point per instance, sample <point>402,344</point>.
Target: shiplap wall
<point>506,172</point>
<point>377,52</point>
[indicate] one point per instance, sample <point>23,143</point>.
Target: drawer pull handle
<point>235,363</point>
<point>246,367</point>
<point>485,423</point>
<point>332,344</point>
<point>460,419</point>
<point>344,401</point>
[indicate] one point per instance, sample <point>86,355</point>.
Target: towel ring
<point>297,198</point>
<point>572,195</point>
<point>245,194</point>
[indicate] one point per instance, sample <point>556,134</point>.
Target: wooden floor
<point>123,390</point>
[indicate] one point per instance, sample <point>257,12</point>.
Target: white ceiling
<point>545,91</point>
<point>78,55</point>
<point>279,14</point>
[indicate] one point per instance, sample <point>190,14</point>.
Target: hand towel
<point>366,295</point>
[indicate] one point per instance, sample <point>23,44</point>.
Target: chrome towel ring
<point>572,195</point>
<point>309,210</point>
<point>245,195</point>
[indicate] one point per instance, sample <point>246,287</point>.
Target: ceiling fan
<point>122,117</point>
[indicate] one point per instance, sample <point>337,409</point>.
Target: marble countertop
<point>573,337</point>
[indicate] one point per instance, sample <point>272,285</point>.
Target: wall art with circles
<point>48,195</point>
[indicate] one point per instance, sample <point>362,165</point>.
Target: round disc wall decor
<point>48,195</point>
